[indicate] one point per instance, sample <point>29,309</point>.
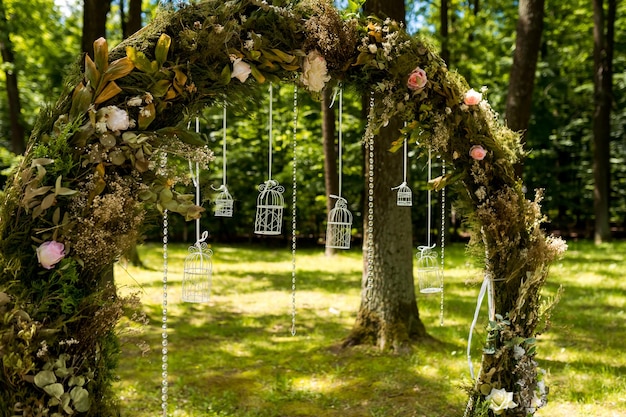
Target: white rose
<point>314,71</point>
<point>500,400</point>
<point>116,118</point>
<point>241,70</point>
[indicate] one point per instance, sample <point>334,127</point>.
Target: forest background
<point>42,38</point>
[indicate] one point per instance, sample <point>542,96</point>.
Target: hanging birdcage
<point>223,203</point>
<point>197,274</point>
<point>429,273</point>
<point>339,227</point>
<point>269,209</point>
<point>405,195</point>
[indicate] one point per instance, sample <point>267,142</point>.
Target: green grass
<point>235,356</point>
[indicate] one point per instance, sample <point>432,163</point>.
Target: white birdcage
<point>197,274</point>
<point>339,227</point>
<point>429,273</point>
<point>223,203</point>
<point>269,209</point>
<point>405,195</point>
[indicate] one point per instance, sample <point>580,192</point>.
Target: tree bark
<point>18,144</point>
<point>522,76</point>
<point>603,60</point>
<point>94,22</point>
<point>331,176</point>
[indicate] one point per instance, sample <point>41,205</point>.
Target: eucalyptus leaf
<point>44,378</point>
<point>54,390</point>
<point>80,399</point>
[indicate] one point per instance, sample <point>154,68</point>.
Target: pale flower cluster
<point>314,71</point>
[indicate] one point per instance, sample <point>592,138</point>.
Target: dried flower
<point>472,97</point>
<point>50,253</point>
<point>134,101</point>
<point>500,400</point>
<point>314,71</point>
<point>518,352</point>
<point>241,70</point>
<point>477,152</point>
<point>417,79</point>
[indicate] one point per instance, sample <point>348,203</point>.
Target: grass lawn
<point>235,356</point>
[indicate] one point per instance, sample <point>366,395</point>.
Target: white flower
<point>518,352</point>
<point>115,118</point>
<point>241,70</point>
<point>372,48</point>
<point>472,97</point>
<point>314,71</point>
<point>500,400</point>
<point>536,402</point>
<point>101,127</point>
<point>145,112</point>
<point>148,98</point>
<point>135,101</point>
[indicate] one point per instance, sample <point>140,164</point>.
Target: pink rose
<point>50,253</point>
<point>417,79</point>
<point>477,152</point>
<point>472,97</point>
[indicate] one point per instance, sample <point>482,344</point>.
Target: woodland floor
<point>235,356</point>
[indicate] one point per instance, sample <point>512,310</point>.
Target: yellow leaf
<point>139,59</point>
<point>162,47</point>
<point>120,68</point>
<point>91,72</point>
<point>81,100</point>
<point>110,91</point>
<point>159,89</point>
<point>101,54</point>
<point>257,74</point>
<point>48,201</point>
<point>146,116</point>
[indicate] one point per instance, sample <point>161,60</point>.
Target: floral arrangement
<point>99,161</point>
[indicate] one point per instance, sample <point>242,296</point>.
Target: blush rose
<point>477,152</point>
<point>417,79</point>
<point>314,71</point>
<point>50,253</point>
<point>472,97</point>
<point>241,70</point>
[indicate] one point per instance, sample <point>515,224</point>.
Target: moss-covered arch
<point>95,163</point>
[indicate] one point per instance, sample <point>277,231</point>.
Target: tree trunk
<point>133,21</point>
<point>18,145</point>
<point>603,60</point>
<point>522,77</point>
<point>388,316</point>
<point>331,176</point>
<point>444,32</point>
<point>94,22</point>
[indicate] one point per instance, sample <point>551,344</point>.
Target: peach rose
<point>472,97</point>
<point>477,152</point>
<point>417,79</point>
<point>241,70</point>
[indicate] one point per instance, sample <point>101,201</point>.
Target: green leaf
<point>54,390</point>
<point>45,378</point>
<point>257,74</point>
<point>91,72</point>
<point>225,76</point>
<point>80,398</point>
<point>139,59</point>
<point>146,116</point>
<point>81,100</point>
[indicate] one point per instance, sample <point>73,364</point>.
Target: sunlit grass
<point>235,356</point>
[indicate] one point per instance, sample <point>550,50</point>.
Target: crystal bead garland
<point>293,211</point>
<point>443,236</point>
<point>370,200</point>
<point>164,380</point>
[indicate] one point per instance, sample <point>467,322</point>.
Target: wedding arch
<point>98,160</point>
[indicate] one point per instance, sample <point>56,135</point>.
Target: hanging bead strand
<point>293,211</point>
<point>443,236</point>
<point>370,200</point>
<point>164,341</point>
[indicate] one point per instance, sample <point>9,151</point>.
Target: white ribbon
<point>486,288</point>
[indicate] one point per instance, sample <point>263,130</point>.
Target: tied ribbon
<point>486,288</point>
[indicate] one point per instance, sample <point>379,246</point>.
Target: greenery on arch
<point>98,161</point>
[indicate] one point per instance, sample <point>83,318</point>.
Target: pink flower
<point>417,79</point>
<point>472,97</point>
<point>50,253</point>
<point>477,152</point>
